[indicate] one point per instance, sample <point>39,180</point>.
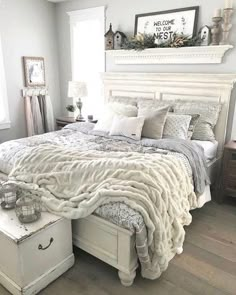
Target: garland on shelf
<point>144,41</point>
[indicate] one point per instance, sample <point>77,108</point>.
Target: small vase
<point>71,114</point>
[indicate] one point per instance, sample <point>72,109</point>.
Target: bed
<point>108,241</point>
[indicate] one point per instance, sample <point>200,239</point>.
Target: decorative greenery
<point>71,108</point>
<point>140,42</point>
<point>143,41</point>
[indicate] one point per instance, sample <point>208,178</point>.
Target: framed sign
<point>34,70</point>
<point>164,24</point>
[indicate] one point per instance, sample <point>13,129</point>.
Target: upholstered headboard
<point>184,86</point>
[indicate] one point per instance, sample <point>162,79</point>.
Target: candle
<point>28,210</point>
<point>10,198</point>
<point>218,13</point>
<point>228,4</point>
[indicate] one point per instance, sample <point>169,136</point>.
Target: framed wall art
<point>163,24</point>
<point>34,71</point>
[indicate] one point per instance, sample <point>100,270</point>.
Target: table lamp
<point>77,89</point>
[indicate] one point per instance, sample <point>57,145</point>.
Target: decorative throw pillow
<point>154,121</point>
<point>209,114</point>
<point>176,126</point>
<point>130,127</point>
<point>193,124</point>
<point>111,110</point>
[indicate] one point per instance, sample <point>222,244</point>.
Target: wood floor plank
<point>219,248</point>
<point>190,282</point>
<point>211,258</point>
<point>201,269</point>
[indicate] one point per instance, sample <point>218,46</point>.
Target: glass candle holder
<point>28,209</point>
<point>8,195</point>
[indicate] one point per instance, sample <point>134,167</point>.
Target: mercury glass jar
<point>8,195</point>
<point>28,209</point>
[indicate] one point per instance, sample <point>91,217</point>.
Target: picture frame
<point>34,71</point>
<point>163,24</point>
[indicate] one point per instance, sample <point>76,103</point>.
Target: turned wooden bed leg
<point>127,279</point>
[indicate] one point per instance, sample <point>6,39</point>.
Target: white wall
<point>121,14</point>
<point>27,28</point>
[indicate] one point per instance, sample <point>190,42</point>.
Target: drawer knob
<point>40,247</point>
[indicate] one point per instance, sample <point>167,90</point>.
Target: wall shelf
<point>183,55</point>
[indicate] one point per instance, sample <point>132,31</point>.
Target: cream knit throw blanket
<point>73,184</point>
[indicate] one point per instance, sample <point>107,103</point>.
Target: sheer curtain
<point>88,56</point>
<point>4,114</point>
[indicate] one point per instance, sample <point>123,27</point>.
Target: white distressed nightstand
<point>33,255</point>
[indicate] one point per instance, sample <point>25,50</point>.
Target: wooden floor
<point>207,266</point>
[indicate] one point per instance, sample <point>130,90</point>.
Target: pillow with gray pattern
<point>209,114</point>
<point>177,126</point>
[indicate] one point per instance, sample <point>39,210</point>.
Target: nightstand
<point>228,178</point>
<point>63,121</point>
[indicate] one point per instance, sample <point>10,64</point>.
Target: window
<point>4,114</point>
<point>88,56</point>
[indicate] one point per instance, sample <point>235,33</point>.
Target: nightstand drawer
<point>231,167</point>
<point>233,157</point>
<point>230,182</point>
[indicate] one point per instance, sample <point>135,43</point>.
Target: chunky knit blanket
<point>74,184</point>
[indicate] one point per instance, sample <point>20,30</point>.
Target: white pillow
<point>176,126</point>
<point>111,110</point>
<point>130,127</point>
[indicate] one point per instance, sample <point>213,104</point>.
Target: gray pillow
<point>154,121</point>
<point>123,100</point>
<point>192,125</point>
<point>209,114</point>
<point>177,126</point>
<point>154,103</point>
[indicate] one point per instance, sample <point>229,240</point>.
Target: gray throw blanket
<point>193,152</point>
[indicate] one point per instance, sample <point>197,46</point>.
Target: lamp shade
<point>77,89</point>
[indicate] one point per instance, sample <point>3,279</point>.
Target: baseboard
<point>40,283</point>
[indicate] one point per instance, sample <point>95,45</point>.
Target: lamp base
<point>80,118</point>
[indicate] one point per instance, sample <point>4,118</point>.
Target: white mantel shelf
<point>183,55</point>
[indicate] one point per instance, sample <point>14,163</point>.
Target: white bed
<point>115,245</point>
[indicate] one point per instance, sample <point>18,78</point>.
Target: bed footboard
<point>108,242</point>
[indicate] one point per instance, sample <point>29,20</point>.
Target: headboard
<point>184,86</point>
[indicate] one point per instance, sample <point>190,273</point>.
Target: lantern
<point>8,195</point>
<point>28,209</point>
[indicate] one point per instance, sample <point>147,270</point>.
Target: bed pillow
<point>192,125</point>
<point>130,127</point>
<point>176,126</point>
<point>111,110</point>
<point>209,114</point>
<point>144,103</point>
<point>123,100</point>
<point>154,121</point>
